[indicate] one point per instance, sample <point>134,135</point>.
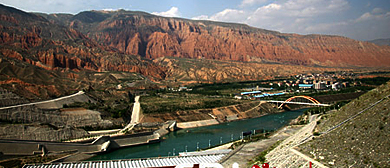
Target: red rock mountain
<point>151,36</point>
<point>127,41</point>
<point>51,55</point>
<point>33,39</point>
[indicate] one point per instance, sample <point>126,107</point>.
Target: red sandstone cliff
<point>152,37</point>
<point>35,40</point>
<point>108,41</point>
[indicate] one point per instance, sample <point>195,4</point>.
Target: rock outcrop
<point>31,38</point>
<point>153,37</point>
<point>141,43</point>
<point>187,71</point>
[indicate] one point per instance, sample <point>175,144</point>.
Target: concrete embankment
<point>102,144</point>
<point>231,113</point>
<point>193,124</point>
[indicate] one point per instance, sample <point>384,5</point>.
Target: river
<point>193,138</point>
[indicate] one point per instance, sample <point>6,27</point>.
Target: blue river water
<point>202,137</point>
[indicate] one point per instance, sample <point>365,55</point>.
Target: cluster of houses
<point>314,81</point>
<point>303,82</point>
<point>257,94</point>
<point>180,89</point>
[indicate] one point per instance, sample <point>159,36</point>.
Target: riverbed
<point>193,139</point>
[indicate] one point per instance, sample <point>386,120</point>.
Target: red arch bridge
<point>309,101</point>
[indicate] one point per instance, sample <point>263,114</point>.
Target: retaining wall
<point>193,124</point>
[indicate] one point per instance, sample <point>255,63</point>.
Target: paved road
<point>285,156</point>
<point>248,151</point>
<point>47,101</point>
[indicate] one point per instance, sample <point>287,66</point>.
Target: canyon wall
<point>153,37</point>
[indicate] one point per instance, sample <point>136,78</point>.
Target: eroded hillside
<point>151,36</point>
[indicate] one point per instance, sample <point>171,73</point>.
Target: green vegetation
<point>232,87</point>
<point>94,128</point>
<point>251,138</point>
<point>221,94</point>
<point>375,81</point>
<point>324,109</point>
<point>172,102</point>
<point>107,110</point>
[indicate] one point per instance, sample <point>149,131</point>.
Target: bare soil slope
<point>362,141</point>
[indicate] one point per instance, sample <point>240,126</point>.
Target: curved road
<point>41,102</point>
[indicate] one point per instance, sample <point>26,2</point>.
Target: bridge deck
<point>303,103</point>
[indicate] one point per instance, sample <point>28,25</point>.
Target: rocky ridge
<point>187,71</point>
<point>151,36</point>
<point>33,39</point>
<point>146,44</point>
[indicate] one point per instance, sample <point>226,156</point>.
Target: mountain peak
<point>18,14</point>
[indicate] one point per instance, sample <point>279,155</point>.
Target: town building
<point>320,86</point>
<point>305,86</point>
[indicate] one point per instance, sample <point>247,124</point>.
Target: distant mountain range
<point>381,42</point>
<point>160,48</point>
<point>150,36</point>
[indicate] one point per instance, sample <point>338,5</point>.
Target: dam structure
<point>101,144</point>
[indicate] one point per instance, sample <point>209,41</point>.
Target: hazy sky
<point>357,19</point>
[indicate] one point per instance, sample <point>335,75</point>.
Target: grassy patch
<point>169,103</point>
